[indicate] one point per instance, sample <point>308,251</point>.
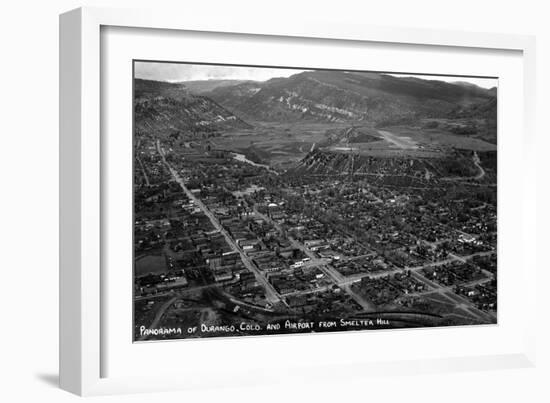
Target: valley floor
<point>281,229</point>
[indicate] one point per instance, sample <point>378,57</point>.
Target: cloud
<point>189,72</point>
<point>175,72</point>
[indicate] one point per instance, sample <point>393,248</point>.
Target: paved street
<point>330,272</point>
<point>271,294</point>
<point>345,283</point>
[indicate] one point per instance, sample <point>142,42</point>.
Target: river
<point>242,158</point>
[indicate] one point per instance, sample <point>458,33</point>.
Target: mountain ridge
<point>170,108</point>
<point>346,96</point>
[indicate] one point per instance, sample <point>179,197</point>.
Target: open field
<point>440,138</point>
<point>276,143</point>
<point>280,145</point>
<point>150,264</point>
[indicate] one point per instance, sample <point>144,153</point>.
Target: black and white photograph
<point>279,201</point>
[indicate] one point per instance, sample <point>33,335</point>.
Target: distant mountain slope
<point>486,110</point>
<point>343,96</point>
<point>235,97</point>
<point>167,108</point>
<point>202,86</point>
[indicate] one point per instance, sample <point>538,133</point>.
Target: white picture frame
<point>82,339</point>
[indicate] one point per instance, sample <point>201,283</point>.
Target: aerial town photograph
<point>274,201</point>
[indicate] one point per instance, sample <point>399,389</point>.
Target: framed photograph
<point>322,199</point>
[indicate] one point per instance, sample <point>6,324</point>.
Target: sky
<point>191,72</point>
<point>480,82</point>
<point>175,72</point>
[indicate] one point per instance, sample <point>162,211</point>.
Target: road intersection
<point>336,278</point>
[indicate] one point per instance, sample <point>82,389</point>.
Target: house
<point>223,275</point>
<point>312,242</point>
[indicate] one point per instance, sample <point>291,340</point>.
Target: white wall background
<point>29,201</point>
